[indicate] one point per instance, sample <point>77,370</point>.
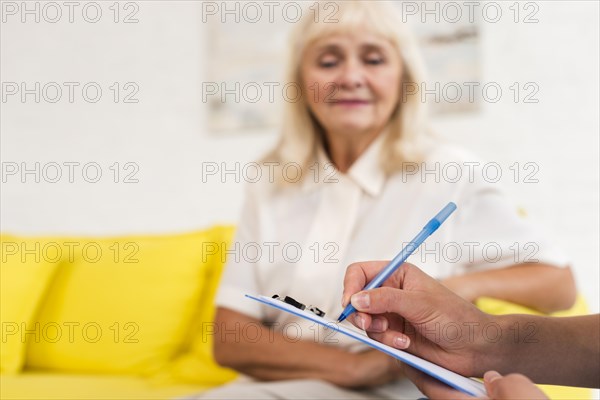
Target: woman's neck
<point>344,150</point>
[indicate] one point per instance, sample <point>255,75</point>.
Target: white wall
<point>165,133</point>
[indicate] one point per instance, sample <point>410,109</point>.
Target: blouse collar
<point>366,172</point>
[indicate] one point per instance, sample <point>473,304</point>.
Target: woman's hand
<point>415,312</point>
<point>463,286</point>
<point>373,368</point>
<point>272,357</point>
<point>524,284</point>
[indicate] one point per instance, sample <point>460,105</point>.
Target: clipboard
<point>466,385</point>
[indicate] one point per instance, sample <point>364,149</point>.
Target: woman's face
<point>351,82</point>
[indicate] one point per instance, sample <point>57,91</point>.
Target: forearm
<point>525,284</point>
<point>272,356</point>
<point>278,358</point>
<point>560,351</point>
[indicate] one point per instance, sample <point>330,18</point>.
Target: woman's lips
<point>351,103</point>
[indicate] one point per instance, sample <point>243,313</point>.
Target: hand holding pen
<point>389,269</point>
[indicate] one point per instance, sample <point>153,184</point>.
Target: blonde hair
<point>301,132</point>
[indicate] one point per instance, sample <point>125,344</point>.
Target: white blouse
<point>298,240</point>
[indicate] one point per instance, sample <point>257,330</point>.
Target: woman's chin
<point>353,128</point>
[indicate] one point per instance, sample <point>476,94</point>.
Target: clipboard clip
<point>288,300</point>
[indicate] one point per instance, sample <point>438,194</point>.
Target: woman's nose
<point>352,76</point>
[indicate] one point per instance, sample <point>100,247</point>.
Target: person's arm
<point>567,360</point>
<point>525,284</point>
<point>267,355</point>
<point>523,265</point>
<point>413,307</point>
<point>559,351</point>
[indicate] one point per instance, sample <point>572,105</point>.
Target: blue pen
<point>404,254</point>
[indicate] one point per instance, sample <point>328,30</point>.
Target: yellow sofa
<point>102,318</point>
<point>122,318</point>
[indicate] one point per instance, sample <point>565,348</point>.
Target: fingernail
<point>344,301</point>
<point>361,301</point>
<point>491,376</point>
<point>360,321</point>
<point>379,324</point>
<point>401,342</point>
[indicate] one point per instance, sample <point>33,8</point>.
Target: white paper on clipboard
<point>466,385</point>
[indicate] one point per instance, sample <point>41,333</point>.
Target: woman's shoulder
<point>452,168</point>
<point>271,180</point>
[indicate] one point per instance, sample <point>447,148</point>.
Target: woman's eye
<point>375,61</point>
<point>328,60</point>
<point>327,63</point>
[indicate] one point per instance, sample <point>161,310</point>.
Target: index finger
<point>358,275</point>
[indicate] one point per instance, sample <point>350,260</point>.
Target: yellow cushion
<point>27,266</point>
<point>499,307</point>
<point>121,305</point>
<point>55,386</point>
<point>197,364</point>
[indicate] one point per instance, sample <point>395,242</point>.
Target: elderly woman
<point>360,143</point>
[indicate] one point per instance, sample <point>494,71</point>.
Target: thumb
<point>512,386</point>
<point>488,379</point>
